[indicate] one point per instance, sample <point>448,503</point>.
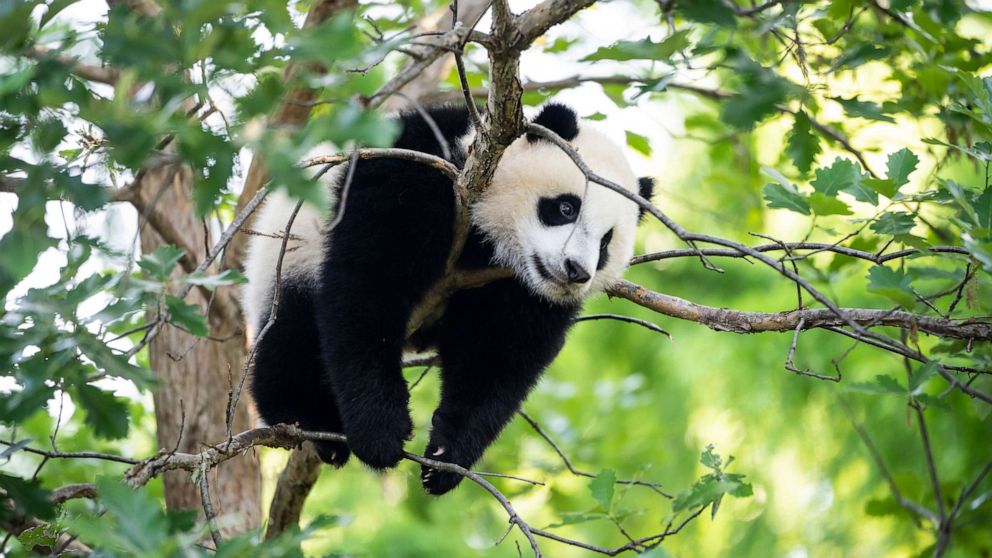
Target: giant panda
<point>331,361</point>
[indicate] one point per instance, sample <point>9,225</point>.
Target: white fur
<point>530,171</point>
<point>304,249</point>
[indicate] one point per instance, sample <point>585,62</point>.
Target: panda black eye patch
<point>560,210</point>
<point>604,250</point>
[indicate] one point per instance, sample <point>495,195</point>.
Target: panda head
<point>564,237</point>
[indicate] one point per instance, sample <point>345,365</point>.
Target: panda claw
<point>440,451</point>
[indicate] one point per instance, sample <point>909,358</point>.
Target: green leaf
<point>859,54</point>
<point>561,44</point>
<point>821,204</point>
<point>639,143</point>
<point>596,117</point>
<point>840,175</point>
<point>10,450</point>
<point>918,378</point>
<point>28,497</point>
<point>48,134</point>
<point>882,507</point>
<point>186,316</point>
<point>913,241</point>
<point>38,535</point>
<point>106,414</point>
<point>615,91</point>
<point>111,363</point>
<point>136,525</point>
<point>160,263</point>
<point>17,405</point>
<point>645,49</point>
<point>900,165</point>
<point>228,277</point>
<point>891,283</point>
<point>602,487</point>
<point>883,186</point>
<point>352,123</point>
<point>87,197</point>
<point>785,197</point>
<point>894,223</point>
<point>14,26</point>
<point>710,490</point>
<point>863,109</point>
<point>708,11</point>
<point>710,459</point>
<point>861,192</point>
<point>53,10</point>
<point>883,384</point>
<point>983,209</point>
<point>803,145</point>
<point>753,104</point>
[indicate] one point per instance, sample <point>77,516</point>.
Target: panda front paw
<point>332,453</point>
<point>439,482</point>
<point>377,438</point>
<point>441,447</point>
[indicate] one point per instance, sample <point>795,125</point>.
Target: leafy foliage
<point>874,122</point>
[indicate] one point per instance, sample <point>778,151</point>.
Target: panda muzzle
<point>575,272</point>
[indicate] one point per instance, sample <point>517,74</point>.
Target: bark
<point>295,483</point>
<point>426,82</point>
<point>193,373</point>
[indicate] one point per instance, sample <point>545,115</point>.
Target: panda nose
<point>576,273</point>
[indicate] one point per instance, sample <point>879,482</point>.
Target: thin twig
<point>208,509</point>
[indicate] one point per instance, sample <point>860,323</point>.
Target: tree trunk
<point>195,375</point>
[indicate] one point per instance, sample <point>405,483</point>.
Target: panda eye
<point>560,210</point>
<point>606,240</point>
<point>604,250</point>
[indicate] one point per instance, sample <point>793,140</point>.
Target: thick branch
<point>292,489</point>
<point>739,321</point>
<point>536,21</point>
<point>100,74</point>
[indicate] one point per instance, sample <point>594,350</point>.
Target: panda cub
<point>332,360</point>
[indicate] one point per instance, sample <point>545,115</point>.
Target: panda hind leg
<point>289,384</point>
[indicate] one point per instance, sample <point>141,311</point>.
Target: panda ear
<point>558,118</point>
<point>645,185</point>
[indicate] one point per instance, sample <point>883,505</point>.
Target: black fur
<point>550,210</point>
<point>646,186</point>
<point>332,360</point>
<point>560,119</point>
<point>604,250</point>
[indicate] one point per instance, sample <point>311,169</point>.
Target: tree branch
<point>739,321</point>
<point>100,74</point>
<point>294,485</point>
<point>289,436</point>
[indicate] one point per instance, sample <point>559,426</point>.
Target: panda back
<point>304,249</point>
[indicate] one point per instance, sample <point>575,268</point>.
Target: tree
<point>839,165</point>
